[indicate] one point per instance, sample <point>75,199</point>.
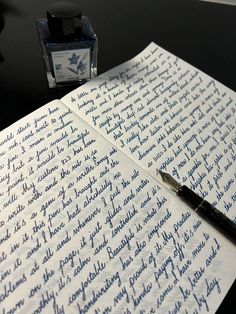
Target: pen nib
<point>170,182</point>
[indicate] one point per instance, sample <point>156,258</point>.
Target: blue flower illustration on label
<point>73,59</point>
<point>72,65</point>
<point>80,66</point>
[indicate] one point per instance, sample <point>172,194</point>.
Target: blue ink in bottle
<point>69,45</point>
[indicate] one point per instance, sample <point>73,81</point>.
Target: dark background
<point>201,33</point>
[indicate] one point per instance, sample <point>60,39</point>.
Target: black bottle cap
<point>64,20</point>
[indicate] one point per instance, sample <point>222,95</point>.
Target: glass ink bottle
<point>69,45</point>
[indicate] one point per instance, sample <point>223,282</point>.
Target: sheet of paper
<point>167,115</point>
<point>83,229</point>
<point>230,2</point>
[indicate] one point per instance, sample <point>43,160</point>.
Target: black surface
<point>201,33</point>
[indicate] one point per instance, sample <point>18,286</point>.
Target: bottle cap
<point>64,20</point>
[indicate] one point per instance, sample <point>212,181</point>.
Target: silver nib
<point>170,182</point>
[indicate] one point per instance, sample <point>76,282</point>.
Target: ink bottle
<point>69,45</point>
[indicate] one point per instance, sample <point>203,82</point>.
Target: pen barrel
<point>208,212</point>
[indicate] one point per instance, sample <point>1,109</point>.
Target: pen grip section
<point>207,211</point>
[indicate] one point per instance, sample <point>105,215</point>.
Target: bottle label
<point>71,65</point>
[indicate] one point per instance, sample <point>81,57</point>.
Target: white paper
<point>230,2</point>
<point>84,229</point>
<point>167,115</point>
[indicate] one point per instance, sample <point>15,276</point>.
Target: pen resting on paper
<point>201,206</point>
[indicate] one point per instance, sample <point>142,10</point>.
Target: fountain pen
<point>200,206</point>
